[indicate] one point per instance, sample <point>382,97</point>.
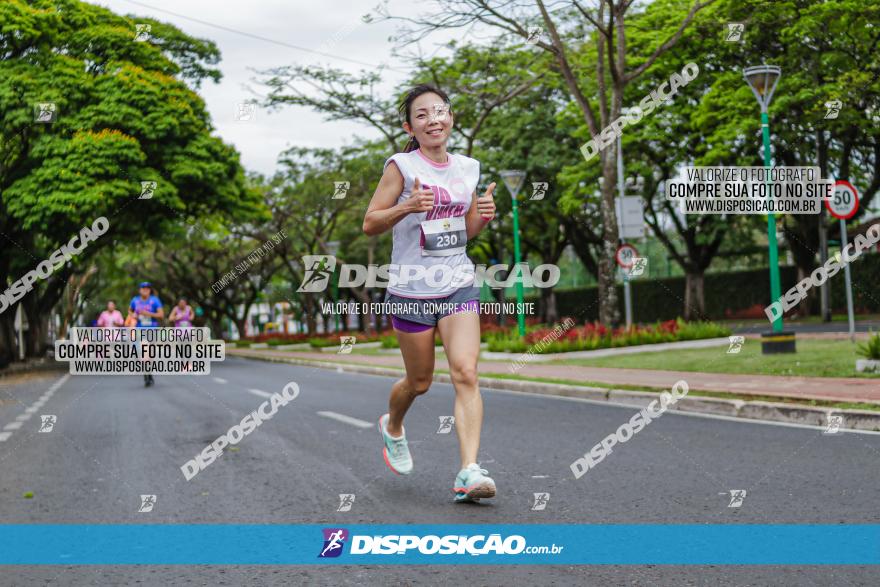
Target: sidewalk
<point>836,389</point>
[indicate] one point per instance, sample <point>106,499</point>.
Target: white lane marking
<point>259,392</point>
<point>24,417</point>
<point>347,419</point>
<point>58,384</point>
<point>540,476</point>
<point>220,380</point>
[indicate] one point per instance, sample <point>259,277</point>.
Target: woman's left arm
<point>480,214</point>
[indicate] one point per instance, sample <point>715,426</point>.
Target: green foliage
<point>125,113</point>
<point>700,329</point>
<point>594,336</point>
<point>871,348</point>
<point>389,341</point>
<point>727,294</point>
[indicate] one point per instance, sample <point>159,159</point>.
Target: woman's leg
<point>417,349</point>
<point>460,334</point>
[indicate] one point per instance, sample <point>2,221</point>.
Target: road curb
<point>606,352</point>
<point>33,366</point>
<point>735,408</point>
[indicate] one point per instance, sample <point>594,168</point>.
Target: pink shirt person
<point>110,317</point>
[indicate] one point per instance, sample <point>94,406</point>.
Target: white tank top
<point>453,184</point>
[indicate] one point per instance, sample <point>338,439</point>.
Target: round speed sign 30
<point>845,202</point>
<point>625,255</point>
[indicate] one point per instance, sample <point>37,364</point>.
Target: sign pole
<point>19,326</point>
<point>626,257</point>
<point>627,294</point>
<point>825,289</point>
<point>844,206</point>
<point>849,297</point>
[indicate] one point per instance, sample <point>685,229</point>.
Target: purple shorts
<point>417,315</point>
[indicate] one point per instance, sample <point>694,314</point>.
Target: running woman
<point>111,317</point>
<point>181,315</point>
<point>148,309</point>
<point>429,198</point>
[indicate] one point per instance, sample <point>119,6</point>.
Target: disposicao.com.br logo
<point>335,538</point>
<point>320,268</point>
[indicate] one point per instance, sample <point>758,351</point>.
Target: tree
<point>674,135</point>
<point>300,200</point>
<point>827,51</point>
<point>565,25</point>
<point>525,134</point>
<point>123,114</point>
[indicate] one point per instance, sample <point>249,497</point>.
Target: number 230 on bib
<point>444,236</point>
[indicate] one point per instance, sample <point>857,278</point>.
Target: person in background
<point>182,314</point>
<point>111,317</point>
<point>148,310</point>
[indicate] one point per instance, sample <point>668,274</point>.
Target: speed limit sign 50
<point>845,202</point>
<point>625,255</point>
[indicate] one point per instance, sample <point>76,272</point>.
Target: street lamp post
<point>762,79</point>
<point>514,179</point>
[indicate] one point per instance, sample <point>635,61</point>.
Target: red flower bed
<point>267,336</point>
<point>593,330</point>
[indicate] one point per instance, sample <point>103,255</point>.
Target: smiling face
<point>430,120</point>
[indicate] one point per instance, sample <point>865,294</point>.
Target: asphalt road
<point>115,440</point>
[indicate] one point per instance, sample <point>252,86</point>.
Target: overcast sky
<point>331,26</point>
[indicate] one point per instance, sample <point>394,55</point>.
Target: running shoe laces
<point>477,468</point>
<point>398,446</point>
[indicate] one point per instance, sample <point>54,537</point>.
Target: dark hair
<point>406,105</point>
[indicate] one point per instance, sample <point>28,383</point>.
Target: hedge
<point>725,293</point>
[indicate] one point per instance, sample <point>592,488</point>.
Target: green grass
<point>814,358</point>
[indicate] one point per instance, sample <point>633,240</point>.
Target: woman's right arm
<point>383,212</point>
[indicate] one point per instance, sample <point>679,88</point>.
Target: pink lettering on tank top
<point>443,207</point>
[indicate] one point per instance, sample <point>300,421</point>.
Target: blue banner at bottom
<point>354,544</point>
